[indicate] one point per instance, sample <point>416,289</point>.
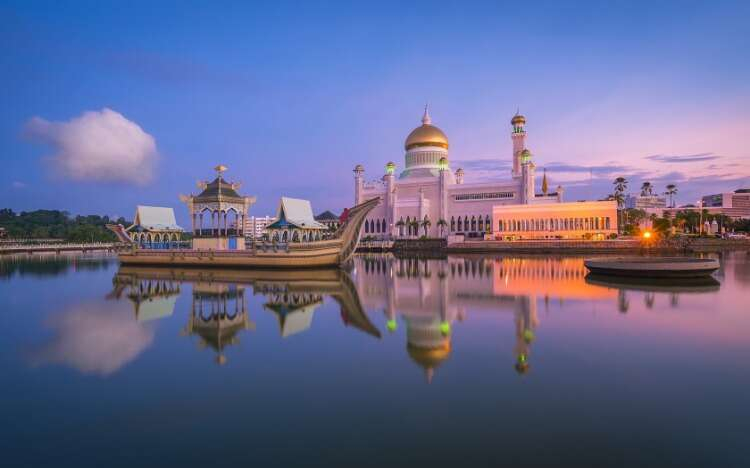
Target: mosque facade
<point>428,198</point>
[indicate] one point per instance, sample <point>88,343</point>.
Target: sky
<point>107,105</point>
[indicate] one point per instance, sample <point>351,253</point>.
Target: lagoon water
<point>469,361</point>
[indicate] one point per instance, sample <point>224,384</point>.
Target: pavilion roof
<point>296,213</point>
<point>155,218</point>
<point>218,189</point>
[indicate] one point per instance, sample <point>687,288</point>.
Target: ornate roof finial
<point>545,187</point>
<point>426,120</point>
<point>220,169</point>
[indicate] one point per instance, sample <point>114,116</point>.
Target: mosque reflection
<point>431,295</point>
<point>425,297</point>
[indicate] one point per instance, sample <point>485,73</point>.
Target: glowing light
<point>445,328</point>
<point>391,325</point>
<point>647,235</point>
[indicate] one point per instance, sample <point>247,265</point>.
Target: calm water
<point>468,361</point>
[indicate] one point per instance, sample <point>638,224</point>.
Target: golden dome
<point>429,358</point>
<point>518,119</point>
<point>426,135</point>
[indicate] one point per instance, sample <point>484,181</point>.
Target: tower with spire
<point>518,135</point>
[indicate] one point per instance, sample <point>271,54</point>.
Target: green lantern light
<point>390,168</point>
<point>391,325</point>
<point>445,328</point>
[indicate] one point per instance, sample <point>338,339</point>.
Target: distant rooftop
<point>326,216</point>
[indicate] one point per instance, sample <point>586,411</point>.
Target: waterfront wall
<point>550,246</point>
<point>559,246</point>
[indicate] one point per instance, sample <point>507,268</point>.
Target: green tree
<point>671,192</point>
<point>647,189</point>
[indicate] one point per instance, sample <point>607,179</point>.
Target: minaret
<point>518,135</point>
<point>359,183</point>
<point>390,197</point>
<point>528,185</point>
<point>459,176</point>
<point>444,173</point>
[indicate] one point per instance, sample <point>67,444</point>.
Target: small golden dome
<point>426,135</point>
<point>518,119</point>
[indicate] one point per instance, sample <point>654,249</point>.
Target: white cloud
<point>98,146</point>
<point>18,185</point>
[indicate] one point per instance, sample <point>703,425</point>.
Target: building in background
<point>735,204</point>
<point>574,220</point>
<point>3,233</point>
<point>329,219</point>
<point>645,202</point>
<point>255,226</point>
<point>427,198</point>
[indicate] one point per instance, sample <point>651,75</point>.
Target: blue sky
<point>290,96</point>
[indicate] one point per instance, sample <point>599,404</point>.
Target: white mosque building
<point>427,198</point>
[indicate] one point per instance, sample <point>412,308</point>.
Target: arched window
<point>453,224</point>
<point>460,225</point>
<point>367,227</point>
<point>481,224</point>
<point>466,223</point>
<point>473,223</point>
<point>487,223</point>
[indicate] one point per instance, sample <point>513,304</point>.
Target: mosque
<point>427,198</point>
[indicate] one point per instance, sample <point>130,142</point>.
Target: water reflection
<point>428,298</point>
<point>49,264</point>
<point>651,286</point>
<point>219,310</point>
<point>93,339</point>
<point>430,295</point>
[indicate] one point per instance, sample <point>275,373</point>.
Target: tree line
<point>55,224</point>
<point>686,221</point>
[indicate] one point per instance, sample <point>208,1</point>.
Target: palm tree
<point>441,225</point>
<point>647,189</point>
<point>621,184</point>
<point>671,192</point>
<point>400,225</point>
<point>415,227</point>
<point>426,225</point>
